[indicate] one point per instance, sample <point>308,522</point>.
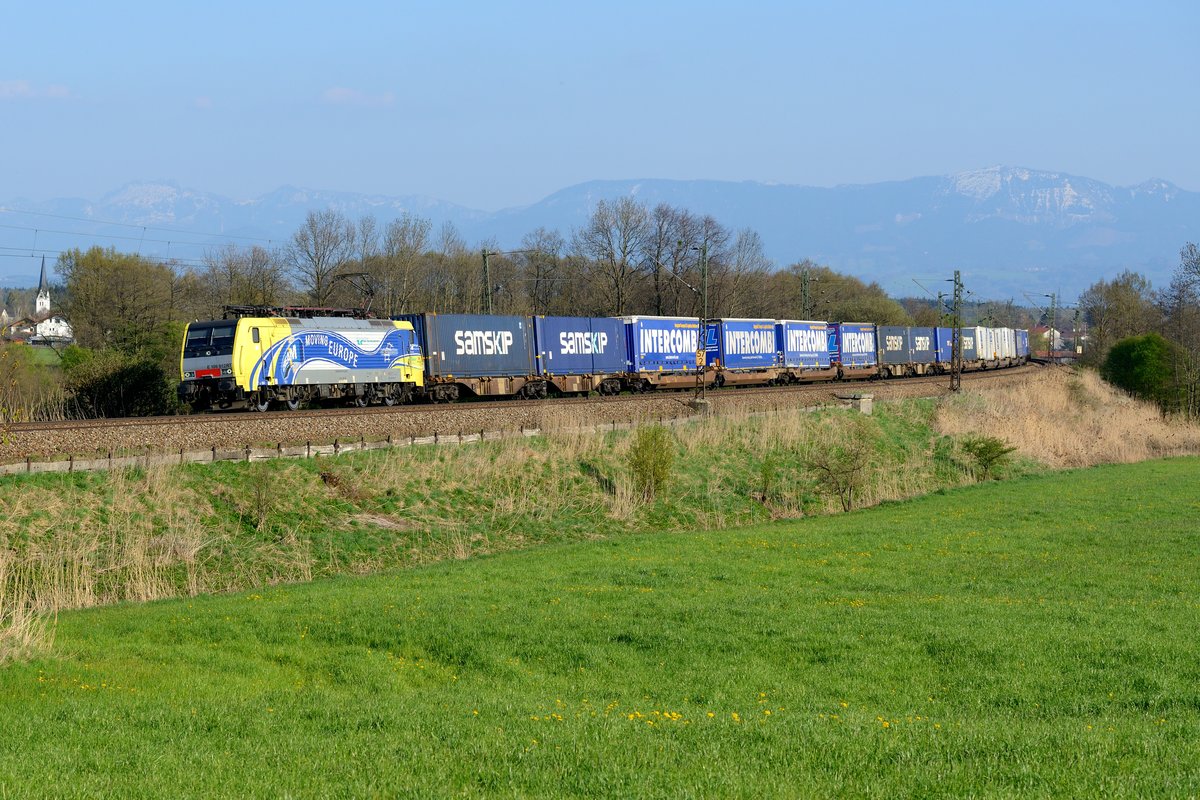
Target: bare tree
<point>1180,308</point>
<point>1116,309</point>
<point>614,239</point>
<point>240,276</point>
<point>322,246</point>
<point>746,268</point>
<point>542,268</point>
<point>405,242</point>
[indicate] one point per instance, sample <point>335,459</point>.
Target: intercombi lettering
<point>807,340</point>
<point>584,343</point>
<point>858,343</point>
<point>483,343</point>
<point>654,340</point>
<point>749,342</point>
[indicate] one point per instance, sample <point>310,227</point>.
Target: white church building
<point>44,326</point>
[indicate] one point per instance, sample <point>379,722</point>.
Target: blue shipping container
<point>804,345</point>
<point>474,345</point>
<point>943,343</point>
<point>662,344</point>
<point>970,352</point>
<point>579,345</point>
<point>894,345</point>
<point>741,344</point>
<point>920,345</point>
<point>1022,343</point>
<point>854,344</point>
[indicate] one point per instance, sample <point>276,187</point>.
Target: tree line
<point>128,311</point>
<point>1147,340</point>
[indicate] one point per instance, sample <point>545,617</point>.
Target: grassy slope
<point>1032,637</point>
<point>84,539</point>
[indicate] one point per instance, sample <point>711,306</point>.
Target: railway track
<point>237,429</point>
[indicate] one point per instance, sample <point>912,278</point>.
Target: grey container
<point>474,345</point>
<point>894,346</point>
<point>921,349</point>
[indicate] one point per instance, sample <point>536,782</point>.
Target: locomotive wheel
<point>260,403</point>
<point>362,400</point>
<point>389,399</point>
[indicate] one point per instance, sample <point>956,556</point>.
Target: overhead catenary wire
<point>7,210</point>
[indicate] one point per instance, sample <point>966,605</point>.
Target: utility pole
<point>804,298</point>
<point>1053,322</point>
<point>487,285</point>
<point>956,352</point>
<point>701,341</point>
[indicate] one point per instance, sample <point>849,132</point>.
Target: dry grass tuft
<point>1069,418</point>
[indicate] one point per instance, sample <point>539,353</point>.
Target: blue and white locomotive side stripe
<point>317,348</point>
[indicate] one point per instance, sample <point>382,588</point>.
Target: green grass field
<point>1035,637</point>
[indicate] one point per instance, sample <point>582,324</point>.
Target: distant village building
<point>44,326</point>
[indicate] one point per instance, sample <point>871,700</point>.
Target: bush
<point>988,453</point>
<point>841,456</point>
<point>28,390</point>
<point>651,457</point>
<point>109,383</point>
<point>1144,367</point>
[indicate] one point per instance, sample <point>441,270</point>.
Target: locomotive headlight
<point>228,371</point>
<point>189,374</point>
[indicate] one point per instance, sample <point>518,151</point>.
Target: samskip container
<point>474,345</point>
<point>894,347</point>
<point>579,345</point>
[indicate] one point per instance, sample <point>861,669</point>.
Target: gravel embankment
<point>236,429</point>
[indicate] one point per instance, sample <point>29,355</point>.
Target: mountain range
<point>1011,231</point>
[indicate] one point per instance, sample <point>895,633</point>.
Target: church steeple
<point>42,304</point>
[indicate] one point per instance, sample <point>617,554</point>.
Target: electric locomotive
<point>264,356</point>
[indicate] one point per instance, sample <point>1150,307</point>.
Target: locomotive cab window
<point>254,335</point>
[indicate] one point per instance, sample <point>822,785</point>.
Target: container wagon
<point>804,351</point>
<point>905,351</point>
<point>852,350</point>
<point>577,355</point>
<point>663,352</point>
<point>477,355</point>
<point>742,351</point>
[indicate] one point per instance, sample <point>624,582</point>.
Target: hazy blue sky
<point>493,104</point>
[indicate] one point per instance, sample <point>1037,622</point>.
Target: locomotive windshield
<point>209,338</point>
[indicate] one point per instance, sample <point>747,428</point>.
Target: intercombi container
<point>740,344</point>
<point>803,344</point>
<point>662,351</point>
<point>853,348</point>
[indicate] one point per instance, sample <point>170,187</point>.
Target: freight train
<point>257,357</point>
